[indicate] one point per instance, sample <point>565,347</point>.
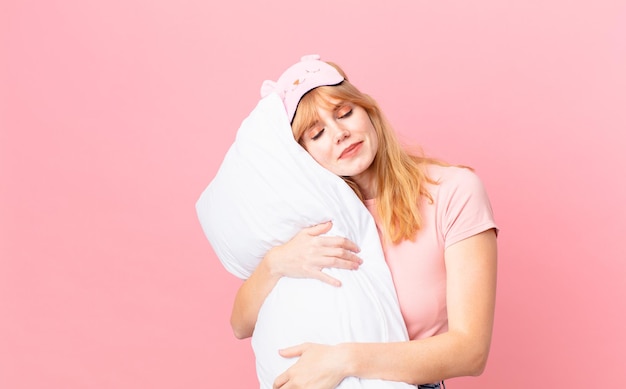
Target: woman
<point>438,235</point>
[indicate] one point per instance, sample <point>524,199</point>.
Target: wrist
<point>349,357</point>
<point>271,264</point>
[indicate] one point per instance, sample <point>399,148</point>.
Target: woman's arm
<point>304,256</point>
<point>463,350</point>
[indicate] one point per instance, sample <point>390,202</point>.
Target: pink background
<point>114,115</point>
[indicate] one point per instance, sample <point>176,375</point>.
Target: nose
<point>341,134</point>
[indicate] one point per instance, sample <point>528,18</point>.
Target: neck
<point>366,184</point>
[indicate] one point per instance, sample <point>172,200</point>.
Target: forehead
<point>329,103</point>
<point>317,102</point>
<point>325,108</point>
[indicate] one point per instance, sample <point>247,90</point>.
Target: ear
<point>310,57</point>
<point>267,87</point>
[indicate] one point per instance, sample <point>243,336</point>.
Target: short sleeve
<point>466,207</point>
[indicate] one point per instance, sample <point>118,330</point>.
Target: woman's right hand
<point>308,252</point>
<point>304,256</point>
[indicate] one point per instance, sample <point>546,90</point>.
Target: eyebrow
<point>310,126</point>
<point>339,105</point>
<point>336,107</point>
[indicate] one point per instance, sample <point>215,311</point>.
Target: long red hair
<point>401,177</point>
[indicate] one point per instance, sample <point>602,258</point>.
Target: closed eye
<point>344,115</point>
<point>317,136</point>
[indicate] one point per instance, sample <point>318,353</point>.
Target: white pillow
<point>267,189</point>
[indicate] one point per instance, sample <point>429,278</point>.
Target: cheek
<point>375,143</point>
<point>319,154</point>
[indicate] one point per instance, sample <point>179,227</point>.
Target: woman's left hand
<point>319,367</point>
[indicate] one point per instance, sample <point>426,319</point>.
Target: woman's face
<point>343,141</point>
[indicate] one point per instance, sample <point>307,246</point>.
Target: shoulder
<point>454,178</point>
<point>461,201</point>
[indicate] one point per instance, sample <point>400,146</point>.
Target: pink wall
<point>114,115</point>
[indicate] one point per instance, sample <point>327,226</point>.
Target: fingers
<point>342,258</point>
<point>334,257</point>
<point>339,257</point>
<point>280,381</point>
<point>319,229</point>
<point>320,275</point>
<point>348,245</point>
<point>340,242</point>
<point>308,253</point>
<point>293,351</point>
<point>289,352</point>
<point>335,241</point>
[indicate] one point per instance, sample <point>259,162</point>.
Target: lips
<point>350,150</point>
